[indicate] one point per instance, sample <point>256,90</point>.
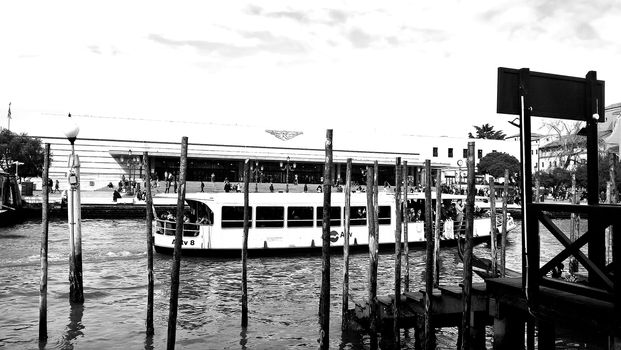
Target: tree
<point>487,131</point>
<point>22,148</point>
<point>495,163</point>
<point>569,147</point>
<point>603,175</point>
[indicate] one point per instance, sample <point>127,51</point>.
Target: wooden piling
<point>373,252</point>
<point>346,216</point>
<point>437,232</point>
<point>406,220</point>
<point>244,255</point>
<point>492,225</point>
<point>429,261</point>
<point>174,276</point>
<point>574,228</point>
<point>467,281</point>
<point>398,211</point>
<point>375,217</point>
<point>45,194</point>
<point>503,241</point>
<point>611,198</point>
<point>324,317</point>
<point>149,226</point>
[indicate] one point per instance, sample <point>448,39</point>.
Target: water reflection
<point>74,329</point>
<point>148,342</point>
<point>244,338</point>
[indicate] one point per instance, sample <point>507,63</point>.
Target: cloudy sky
<point>413,67</point>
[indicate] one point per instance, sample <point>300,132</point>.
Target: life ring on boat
<point>334,236</point>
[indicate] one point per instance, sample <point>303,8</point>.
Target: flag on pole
<point>9,115</point>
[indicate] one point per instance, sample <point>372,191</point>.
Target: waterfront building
<point>217,152</point>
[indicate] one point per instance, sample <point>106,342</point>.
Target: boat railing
<point>169,227</point>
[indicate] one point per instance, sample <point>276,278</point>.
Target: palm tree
<point>487,131</point>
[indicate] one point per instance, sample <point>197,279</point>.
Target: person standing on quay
<point>202,186</point>
<point>57,187</point>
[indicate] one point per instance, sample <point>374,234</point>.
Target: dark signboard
<point>549,95</point>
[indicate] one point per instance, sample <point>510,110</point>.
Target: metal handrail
<point>168,228</point>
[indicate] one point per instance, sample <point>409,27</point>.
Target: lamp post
<point>287,167</point>
<point>76,291</point>
<point>17,164</point>
<point>459,164</point>
<point>131,163</point>
<point>257,171</point>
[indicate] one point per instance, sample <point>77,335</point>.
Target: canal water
<point>283,293</point>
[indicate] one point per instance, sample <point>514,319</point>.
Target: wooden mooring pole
<point>466,319</point>
<point>346,216</point>
<point>174,275</point>
<point>244,255</point>
<point>324,317</point>
<point>574,228</point>
<point>45,194</point>
<point>611,198</point>
<point>76,285</point>
<point>373,253</point>
<point>398,210</point>
<point>406,220</point>
<point>429,262</point>
<point>149,226</point>
<point>493,226</point>
<point>438,231</point>
<point>503,241</point>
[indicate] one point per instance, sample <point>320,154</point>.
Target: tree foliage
<point>22,148</point>
<point>603,174</point>
<point>495,164</point>
<point>487,131</point>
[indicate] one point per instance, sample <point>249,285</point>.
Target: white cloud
<point>422,68</point>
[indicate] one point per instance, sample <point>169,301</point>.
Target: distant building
<point>222,149</point>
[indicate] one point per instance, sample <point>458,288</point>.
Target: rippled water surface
<point>283,293</point>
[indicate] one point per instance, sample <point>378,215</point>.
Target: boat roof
<point>309,198</point>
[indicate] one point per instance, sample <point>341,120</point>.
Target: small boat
<point>292,222</point>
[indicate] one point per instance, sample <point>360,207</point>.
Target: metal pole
<point>503,242</point>
<point>76,291</point>
<point>492,226</point>
<point>467,281</point>
<point>429,332</point>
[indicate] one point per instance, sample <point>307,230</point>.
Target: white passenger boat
<point>293,221</point>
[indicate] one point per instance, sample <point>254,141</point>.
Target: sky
<point>409,67</point>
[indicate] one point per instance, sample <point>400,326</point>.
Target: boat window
<point>300,217</point>
<point>358,216</point>
<point>335,216</point>
<point>234,216</point>
<point>270,216</point>
<point>384,215</point>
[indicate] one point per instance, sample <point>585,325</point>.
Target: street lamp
<point>287,167</point>
<point>257,171</point>
<point>76,290</point>
<point>132,163</point>
<point>459,164</point>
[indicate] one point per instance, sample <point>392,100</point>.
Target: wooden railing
<point>604,281</point>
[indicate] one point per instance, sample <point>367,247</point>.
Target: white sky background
<point>412,67</point>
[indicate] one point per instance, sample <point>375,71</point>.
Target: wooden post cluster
<point>467,281</point>
<point>398,211</point>
<point>244,257</point>
<point>406,220</point>
<point>45,194</point>
<point>324,317</point>
<point>149,219</point>
<point>174,278</point>
<point>492,225</point>
<point>503,242</point>
<point>346,216</point>
<point>429,262</point>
